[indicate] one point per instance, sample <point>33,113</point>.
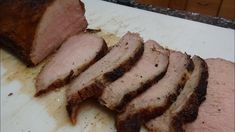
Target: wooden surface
<point>161,3</point>
<point>221,8</point>
<point>227,9</point>
<point>178,4</point>
<point>207,7</point>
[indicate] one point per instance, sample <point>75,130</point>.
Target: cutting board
<point>22,112</point>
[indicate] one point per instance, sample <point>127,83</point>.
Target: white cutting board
<point>21,112</point>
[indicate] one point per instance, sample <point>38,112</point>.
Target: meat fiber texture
<point>157,99</point>
<point>216,114</point>
<point>149,69</point>
<point>113,65</point>
<point>185,109</point>
<point>73,57</point>
<point>33,29</point>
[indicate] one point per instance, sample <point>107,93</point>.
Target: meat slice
<point>74,56</point>
<point>113,65</point>
<point>185,108</point>
<point>33,29</point>
<point>157,98</point>
<point>216,114</point>
<point>150,68</point>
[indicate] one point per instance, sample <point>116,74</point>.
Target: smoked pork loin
<point>185,108</point>
<point>157,99</point>
<point>149,69</point>
<point>33,29</point>
<point>113,65</point>
<point>216,114</point>
<point>73,57</point>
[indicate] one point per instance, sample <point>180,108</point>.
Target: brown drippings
<point>110,39</point>
<point>54,102</point>
<point>16,70</point>
<point>100,115</point>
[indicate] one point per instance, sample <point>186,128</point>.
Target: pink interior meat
<point>61,20</point>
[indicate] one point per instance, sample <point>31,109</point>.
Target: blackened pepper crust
<point>19,23</point>
<point>17,30</point>
<point>124,67</point>
<point>96,88</point>
<point>133,122</point>
<point>128,97</point>
<point>190,111</point>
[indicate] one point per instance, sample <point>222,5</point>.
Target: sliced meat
<point>150,68</point>
<point>185,108</point>
<point>157,98</point>
<point>74,56</point>
<point>113,65</point>
<point>216,114</point>
<point>32,29</point>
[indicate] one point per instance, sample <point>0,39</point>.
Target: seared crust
<point>18,25</point>
<point>15,49</point>
<point>59,83</point>
<point>126,66</point>
<point>87,92</point>
<point>128,97</point>
<point>189,100</point>
<point>19,20</point>
<point>134,122</point>
<point>95,89</point>
<point>190,111</point>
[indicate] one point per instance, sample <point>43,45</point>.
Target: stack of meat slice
<point>143,83</point>
<point>74,56</point>
<point>185,108</point>
<point>158,98</point>
<point>148,70</point>
<point>216,114</point>
<point>114,64</point>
